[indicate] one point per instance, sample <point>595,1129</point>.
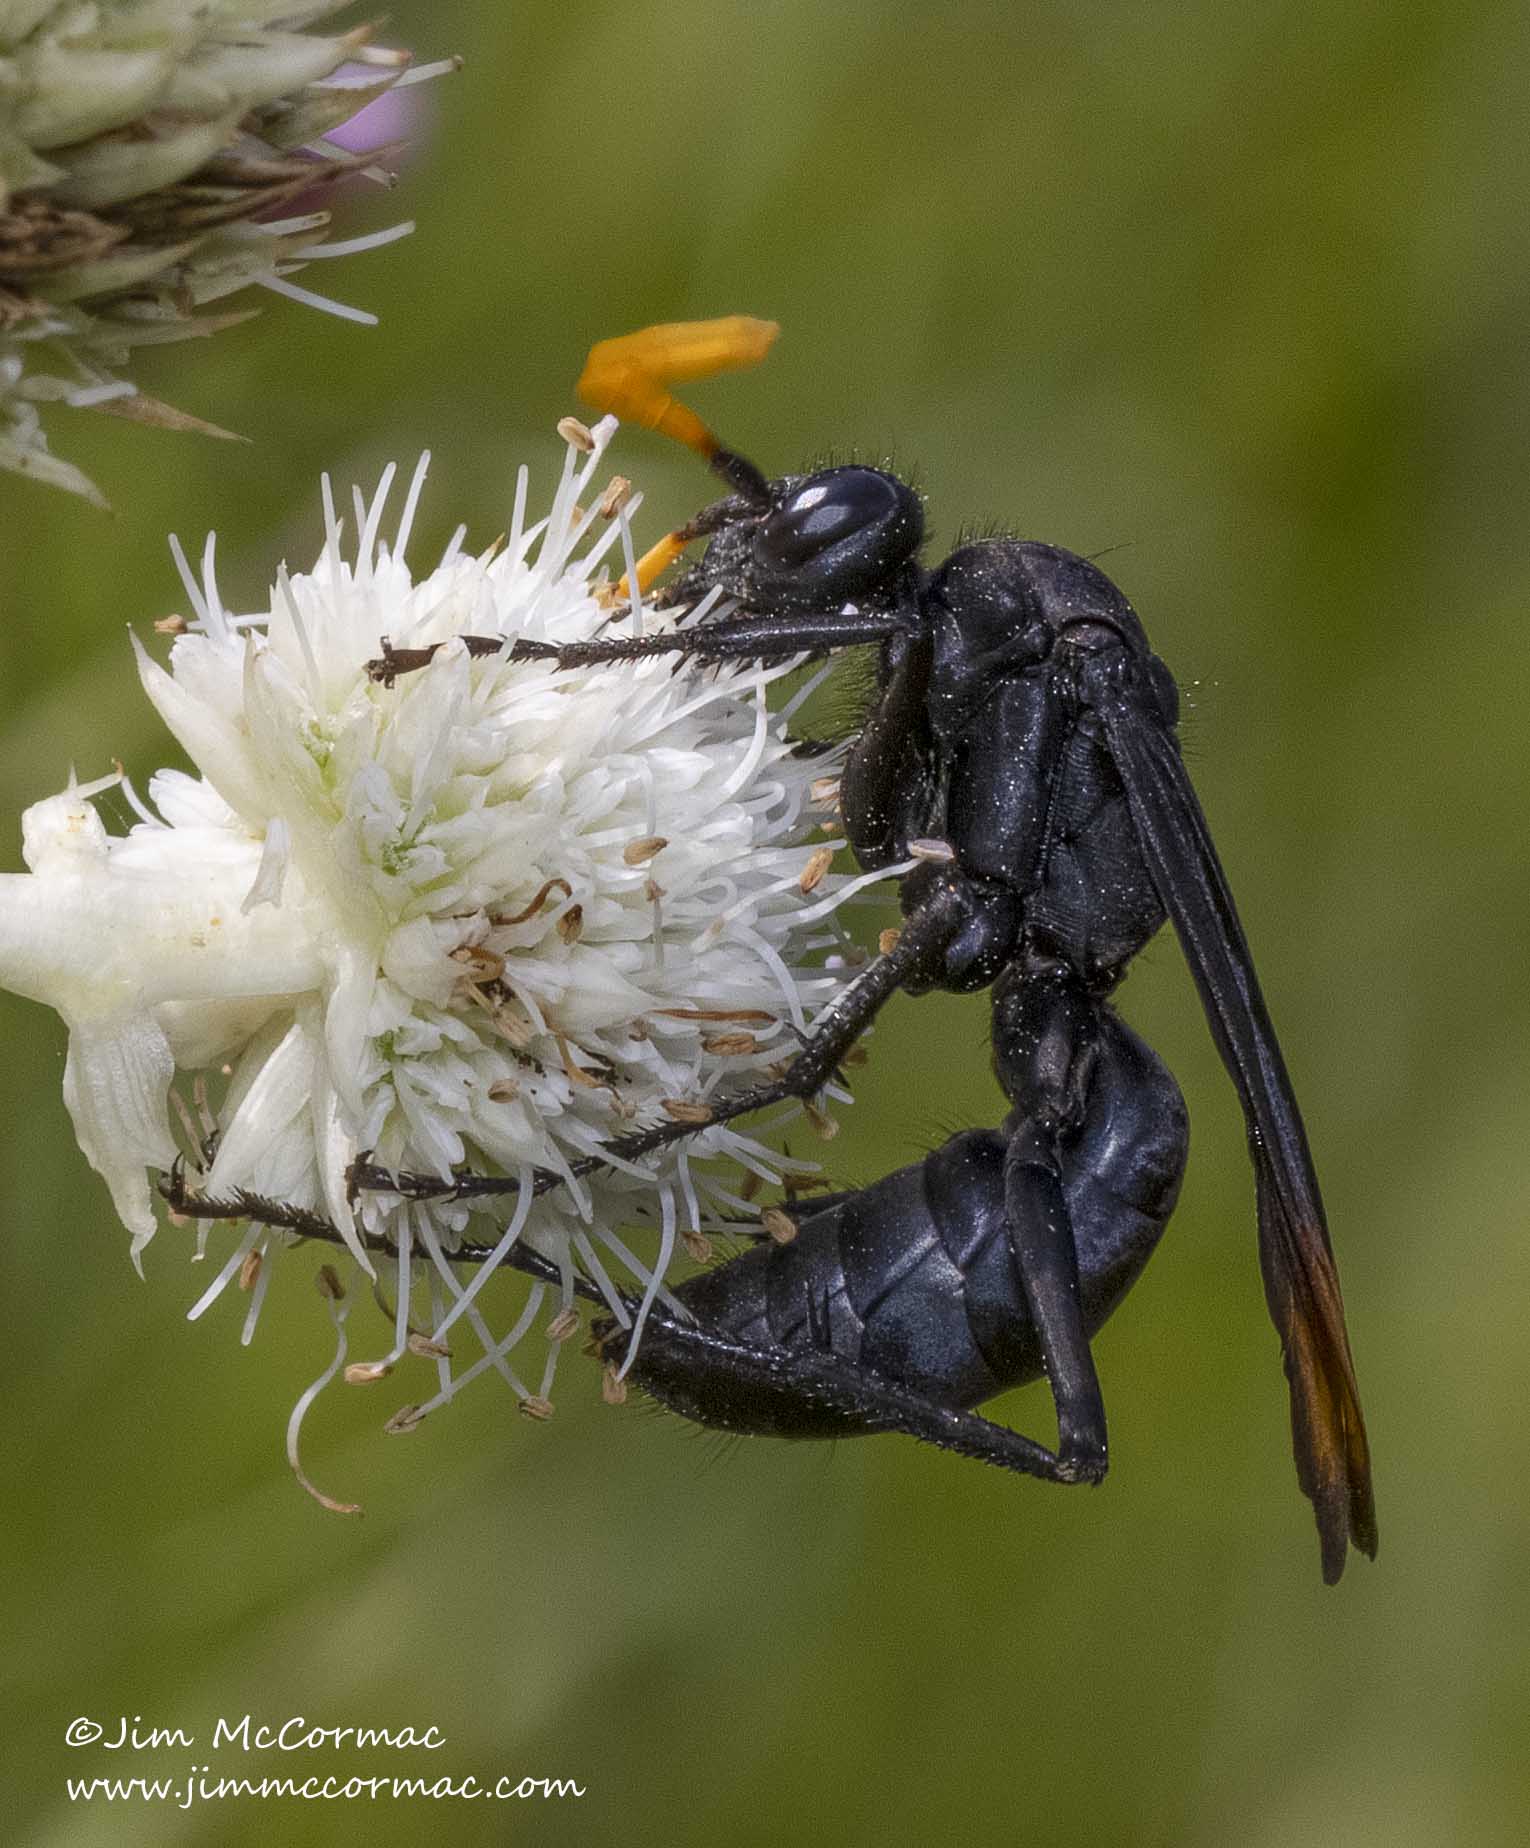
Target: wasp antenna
<point>630,375</point>
<point>742,476</point>
<point>654,563</point>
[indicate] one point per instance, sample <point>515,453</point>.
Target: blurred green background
<point>1241,292</point>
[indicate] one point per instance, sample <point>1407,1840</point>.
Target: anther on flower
<point>145,154</point>
<point>780,1226</point>
<point>392,970</point>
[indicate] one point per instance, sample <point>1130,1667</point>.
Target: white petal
<point>414,960</point>
<point>336,1149</point>
<point>204,1033</point>
<point>189,801</point>
<point>273,1102</point>
<point>352,984</point>
<point>116,1082</point>
<point>197,705</point>
<point>268,882</point>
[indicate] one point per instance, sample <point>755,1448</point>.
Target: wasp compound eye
<point>842,534</point>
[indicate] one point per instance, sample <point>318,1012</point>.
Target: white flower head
<point>487,917</point>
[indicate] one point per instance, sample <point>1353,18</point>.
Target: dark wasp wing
<point>1301,1283</point>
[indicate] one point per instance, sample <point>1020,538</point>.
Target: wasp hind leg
<point>777,1391</point>
<point>1046,1035</point>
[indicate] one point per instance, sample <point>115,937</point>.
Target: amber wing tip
<point>1344,1519</point>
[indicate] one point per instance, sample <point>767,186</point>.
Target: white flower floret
<point>487,917</point>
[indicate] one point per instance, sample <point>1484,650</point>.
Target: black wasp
<point>1021,746</point>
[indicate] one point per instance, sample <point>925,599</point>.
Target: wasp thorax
<point>988,595</point>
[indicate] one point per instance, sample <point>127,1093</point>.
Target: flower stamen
<point>333,1292</point>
